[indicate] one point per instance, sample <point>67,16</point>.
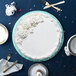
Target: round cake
<point>38,36</point>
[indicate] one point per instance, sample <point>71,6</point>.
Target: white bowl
<point>6,34</point>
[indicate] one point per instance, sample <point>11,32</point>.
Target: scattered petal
<point>20,9</point>
<point>65,17</point>
<point>34,5</point>
<point>9,23</point>
<point>72,21</point>
<point>16,14</point>
<point>16,10</point>
<point>30,8</point>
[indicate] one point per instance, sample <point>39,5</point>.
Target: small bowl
<point>35,67</point>
<point>6,36</point>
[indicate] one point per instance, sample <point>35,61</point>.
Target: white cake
<point>38,35</point>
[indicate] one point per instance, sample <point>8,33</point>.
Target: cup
<point>70,49</point>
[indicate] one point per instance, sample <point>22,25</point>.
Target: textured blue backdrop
<point>60,65</point>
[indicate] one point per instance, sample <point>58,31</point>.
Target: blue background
<point>60,65</point>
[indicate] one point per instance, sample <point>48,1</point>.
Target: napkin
<point>13,69</point>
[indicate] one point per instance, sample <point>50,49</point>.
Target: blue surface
<point>60,65</point>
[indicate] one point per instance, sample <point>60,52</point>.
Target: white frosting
<point>38,35</point>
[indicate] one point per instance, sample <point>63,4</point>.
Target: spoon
<point>49,5</point>
<point>52,5</point>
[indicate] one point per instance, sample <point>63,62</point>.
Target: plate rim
<point>28,58</point>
